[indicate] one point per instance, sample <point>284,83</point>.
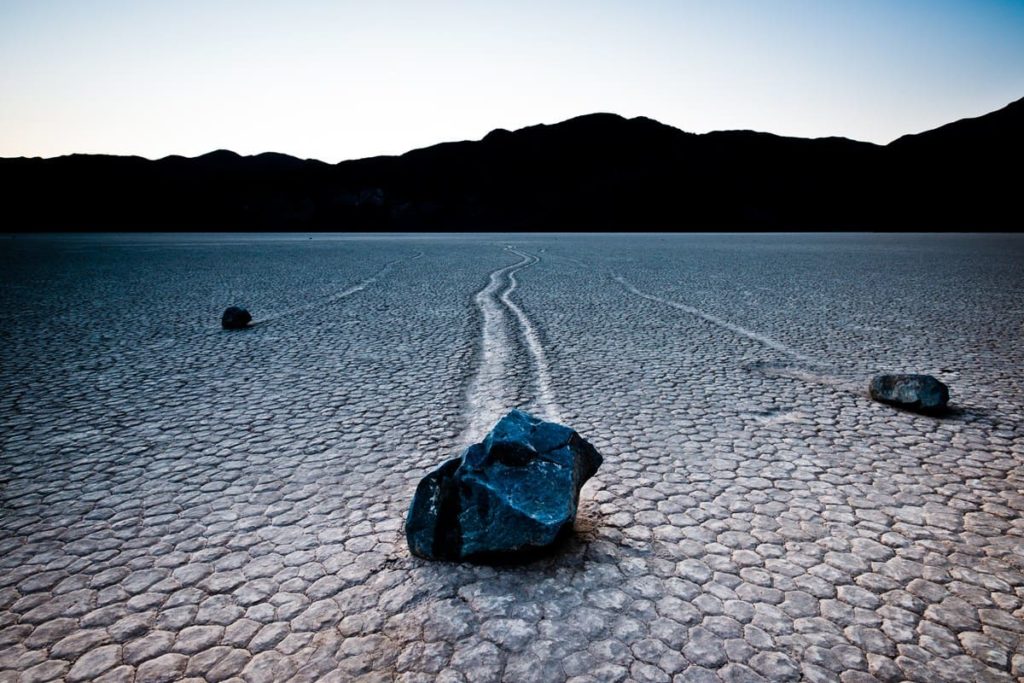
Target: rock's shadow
<point>569,549</point>
<point>941,414</point>
<point>965,413</point>
<point>567,544</point>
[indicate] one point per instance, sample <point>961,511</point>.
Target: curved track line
<point>811,370</point>
<point>811,375</point>
<point>715,320</point>
<point>488,395</point>
<point>358,287</point>
<point>545,400</point>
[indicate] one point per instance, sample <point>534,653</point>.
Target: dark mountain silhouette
<point>599,171</point>
<point>961,175</point>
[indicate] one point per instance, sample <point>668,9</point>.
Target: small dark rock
<point>921,393</point>
<point>235,318</point>
<point>504,499</point>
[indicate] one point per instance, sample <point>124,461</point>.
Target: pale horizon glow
<point>344,80</point>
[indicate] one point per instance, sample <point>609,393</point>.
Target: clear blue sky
<point>336,79</point>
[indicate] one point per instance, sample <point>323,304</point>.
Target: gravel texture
<point>179,501</point>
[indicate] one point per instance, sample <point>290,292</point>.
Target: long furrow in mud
<point>324,301</point>
<point>543,403</point>
<point>797,365</point>
<point>715,320</point>
<point>494,387</point>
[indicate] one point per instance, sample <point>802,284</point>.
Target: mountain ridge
<point>1015,108</point>
<point>594,171</point>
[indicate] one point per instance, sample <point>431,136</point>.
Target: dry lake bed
<point>183,502</point>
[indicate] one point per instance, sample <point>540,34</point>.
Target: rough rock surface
<point>235,318</point>
<point>512,494</point>
<point>922,393</point>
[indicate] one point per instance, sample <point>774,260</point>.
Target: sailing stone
<point>922,393</point>
<point>507,498</point>
<point>235,318</point>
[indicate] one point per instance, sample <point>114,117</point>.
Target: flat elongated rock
<point>235,318</point>
<point>511,495</point>
<point>922,393</point>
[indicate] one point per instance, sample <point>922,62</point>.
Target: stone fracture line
<point>715,320</point>
<point>546,407</point>
<point>358,287</point>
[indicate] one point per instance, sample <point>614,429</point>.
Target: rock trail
<point>544,402</point>
<point>715,320</point>
<point>799,366</point>
<point>491,391</point>
<point>347,292</point>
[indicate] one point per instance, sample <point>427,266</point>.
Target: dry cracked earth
<point>181,502</point>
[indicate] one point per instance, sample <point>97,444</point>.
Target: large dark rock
<point>235,318</point>
<point>922,393</point>
<point>505,498</point>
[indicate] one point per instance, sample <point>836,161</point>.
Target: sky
<point>338,80</point>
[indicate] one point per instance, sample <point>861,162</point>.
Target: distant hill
<point>594,172</point>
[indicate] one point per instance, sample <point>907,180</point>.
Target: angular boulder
<point>503,499</point>
<point>235,318</point>
<point>920,393</point>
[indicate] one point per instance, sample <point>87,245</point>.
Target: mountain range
<point>593,172</point>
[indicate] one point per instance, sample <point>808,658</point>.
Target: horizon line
<point>531,126</point>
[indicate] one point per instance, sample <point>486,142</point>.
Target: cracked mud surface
<point>178,501</point>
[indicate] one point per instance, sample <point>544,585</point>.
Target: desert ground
<point>182,502</point>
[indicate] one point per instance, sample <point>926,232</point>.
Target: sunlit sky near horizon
<point>342,80</point>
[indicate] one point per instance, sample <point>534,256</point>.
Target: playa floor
<point>178,501</point>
